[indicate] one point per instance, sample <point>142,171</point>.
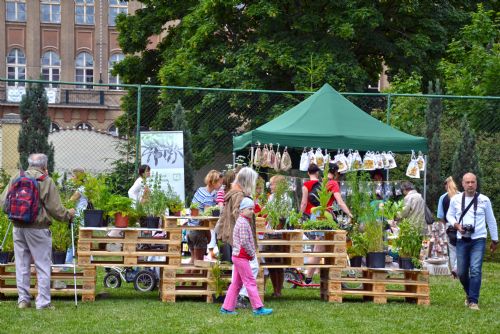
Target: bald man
<point>469,213</point>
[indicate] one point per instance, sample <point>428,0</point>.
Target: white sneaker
<point>474,306</point>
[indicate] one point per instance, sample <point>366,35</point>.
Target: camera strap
<point>465,209</point>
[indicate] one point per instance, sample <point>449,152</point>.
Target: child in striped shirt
<point>243,252</point>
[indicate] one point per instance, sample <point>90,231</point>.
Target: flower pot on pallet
<point>121,221</point>
<point>93,218</point>
<point>6,257</point>
<point>149,222</point>
<point>375,260</point>
<point>58,257</point>
<point>406,263</point>
<point>356,261</point>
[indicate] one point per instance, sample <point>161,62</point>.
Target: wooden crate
<point>132,248</point>
<point>376,285</point>
<point>291,244</point>
<point>85,281</point>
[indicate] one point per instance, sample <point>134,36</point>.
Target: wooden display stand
<point>377,285</point>
<point>85,281</point>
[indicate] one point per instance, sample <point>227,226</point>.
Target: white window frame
<point>17,10</point>
<point>115,58</point>
<point>53,67</point>
<point>116,7</point>
<point>16,66</point>
<point>51,5</point>
<point>85,70</point>
<point>83,126</point>
<point>85,4</point>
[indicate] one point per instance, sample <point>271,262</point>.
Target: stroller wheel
<point>145,281</point>
<point>291,276</point>
<point>112,280</point>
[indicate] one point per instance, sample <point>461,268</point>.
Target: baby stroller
<point>144,279</point>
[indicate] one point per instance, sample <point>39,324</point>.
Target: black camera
<point>468,230</point>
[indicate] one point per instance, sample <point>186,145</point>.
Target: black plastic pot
<point>375,260</point>
<point>149,222</point>
<point>218,300</point>
<point>406,263</point>
<point>58,257</point>
<point>5,257</point>
<point>215,212</point>
<point>356,261</point>
<point>93,218</point>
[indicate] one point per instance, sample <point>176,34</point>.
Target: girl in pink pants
<point>243,252</point>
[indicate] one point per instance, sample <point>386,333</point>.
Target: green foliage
<point>279,207</point>
<point>465,158</point>
<point>324,194</point>
<point>97,192</point>
<point>359,245</point>
<point>390,209</point>
<point>320,224</point>
<point>61,236</point>
<point>294,219</point>
<point>35,126</point>
<point>220,283</point>
<point>122,176</point>
<point>433,121</point>
<point>120,204</point>
<point>4,225</point>
<point>409,240</point>
<point>209,210</point>
<point>179,122</point>
<point>194,205</point>
<point>155,200</point>
<point>358,200</point>
<point>4,179</point>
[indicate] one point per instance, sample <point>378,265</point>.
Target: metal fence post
<point>138,129</point>
<point>389,109</point>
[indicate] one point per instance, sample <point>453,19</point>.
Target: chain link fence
<point>95,126</point>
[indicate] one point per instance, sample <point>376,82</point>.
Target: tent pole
<point>234,160</point>
<point>251,156</point>
<point>425,177</point>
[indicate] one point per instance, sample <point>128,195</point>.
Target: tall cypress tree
<point>180,123</point>
<point>35,126</point>
<point>465,158</point>
<point>433,120</point>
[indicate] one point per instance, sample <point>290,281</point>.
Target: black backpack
<point>313,197</point>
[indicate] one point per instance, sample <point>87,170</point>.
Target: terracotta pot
<point>195,212</point>
<point>120,220</point>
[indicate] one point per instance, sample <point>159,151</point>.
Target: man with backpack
<point>31,200</point>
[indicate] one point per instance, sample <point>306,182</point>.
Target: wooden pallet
<point>376,285</point>
<point>85,277</point>
<point>174,222</point>
<point>291,244</point>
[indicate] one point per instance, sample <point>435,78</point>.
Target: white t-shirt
<point>137,190</point>
<point>82,201</point>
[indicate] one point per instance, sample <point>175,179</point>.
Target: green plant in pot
<point>121,208</point>
<point>195,209</point>
<point>358,249</point>
<point>61,240</point>
<point>374,234</point>
<point>220,283</point>
<point>7,251</point>
<point>409,244</point>
<point>98,195</point>
<point>278,208</point>
<point>153,206</point>
<point>211,211</point>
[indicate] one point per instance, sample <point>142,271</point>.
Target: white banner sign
<point>163,152</point>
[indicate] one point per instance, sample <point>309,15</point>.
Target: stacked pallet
<point>85,281</point>
<point>377,285</point>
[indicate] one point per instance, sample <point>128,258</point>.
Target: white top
<point>136,191</point>
<point>82,201</point>
<point>484,216</point>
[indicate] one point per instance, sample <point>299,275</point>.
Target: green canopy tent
<point>328,120</point>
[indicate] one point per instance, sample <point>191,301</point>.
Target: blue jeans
<point>469,264</point>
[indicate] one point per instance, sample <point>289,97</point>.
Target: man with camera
<point>469,213</point>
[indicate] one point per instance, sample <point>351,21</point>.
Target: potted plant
<point>293,220</point>
<point>153,206</point>
<point>220,283</point>
<point>61,240</point>
<point>7,251</point>
<point>98,195</point>
<point>325,224</point>
<point>279,207</point>
<point>121,208</point>
<point>358,249</point>
<point>374,234</point>
<point>409,244</point>
<point>195,209</point>
<point>212,211</point>
<point>175,205</point>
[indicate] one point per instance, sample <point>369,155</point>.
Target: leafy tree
<point>35,126</point>
<point>180,123</point>
<point>465,158</point>
<point>273,45</point>
<point>433,121</point>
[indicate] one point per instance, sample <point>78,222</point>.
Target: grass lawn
<point>298,311</point>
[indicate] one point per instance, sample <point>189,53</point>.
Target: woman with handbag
<point>451,232</point>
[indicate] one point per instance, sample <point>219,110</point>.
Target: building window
<point>84,69</point>
<point>84,11</point>
<point>113,130</point>
<point>16,67</point>
<point>51,67</point>
<point>16,10</point>
<point>50,11</point>
<point>83,126</point>
<point>116,58</point>
<point>54,127</point>
<point>116,7</point>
